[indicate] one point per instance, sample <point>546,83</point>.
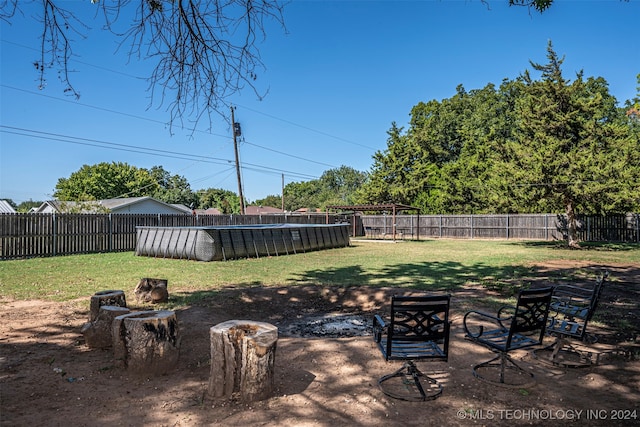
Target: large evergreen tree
<point>540,146</point>
<point>571,150</point>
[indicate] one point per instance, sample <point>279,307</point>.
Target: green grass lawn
<point>432,264</point>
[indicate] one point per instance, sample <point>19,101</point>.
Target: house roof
<point>61,206</point>
<point>259,210</point>
<point>106,204</point>
<point>5,207</point>
<point>210,211</point>
<point>182,207</point>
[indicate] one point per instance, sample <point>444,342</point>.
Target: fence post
<point>546,226</point>
<point>54,226</point>
<point>507,226</point>
<point>110,232</point>
<point>411,226</point>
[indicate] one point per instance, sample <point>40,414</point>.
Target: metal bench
<point>418,329</point>
<point>572,308</point>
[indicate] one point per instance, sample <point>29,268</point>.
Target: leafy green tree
<point>409,170</point>
<point>302,195</point>
<point>475,182</point>
<point>436,128</point>
<point>173,188</point>
<point>227,202</point>
<point>335,187</point>
<point>572,151</point>
<point>400,172</point>
<point>105,181</point>
<point>340,184</point>
<point>632,107</point>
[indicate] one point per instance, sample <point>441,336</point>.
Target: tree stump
<point>146,342</point>
<point>98,334</point>
<point>115,298</point>
<point>152,290</point>
<point>242,359</point>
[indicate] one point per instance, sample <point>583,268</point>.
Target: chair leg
<point>410,380</point>
<point>504,363</point>
<point>562,353</point>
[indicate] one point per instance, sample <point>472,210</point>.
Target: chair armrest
<point>506,313</point>
<point>479,316</point>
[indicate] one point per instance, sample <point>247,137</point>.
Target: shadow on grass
<point>427,276</point>
<point>584,246</point>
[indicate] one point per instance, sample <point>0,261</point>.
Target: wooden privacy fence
<point>591,228</point>
<point>35,235</point>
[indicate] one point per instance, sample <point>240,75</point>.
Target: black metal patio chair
<point>513,328</point>
<point>572,308</point>
<point>418,329</point>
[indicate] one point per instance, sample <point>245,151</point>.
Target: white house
<point>127,205</point>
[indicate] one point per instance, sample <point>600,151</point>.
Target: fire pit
<point>331,325</point>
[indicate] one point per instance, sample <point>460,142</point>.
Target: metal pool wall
<point>233,242</point>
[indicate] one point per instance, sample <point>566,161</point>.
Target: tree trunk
<point>242,359</point>
<point>572,226</point>
<point>146,342</point>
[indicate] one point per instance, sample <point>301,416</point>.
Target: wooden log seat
<point>146,342</point>
<point>114,298</point>
<point>152,290</point>
<point>242,359</point>
<point>98,334</point>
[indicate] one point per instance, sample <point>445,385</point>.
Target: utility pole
<point>236,133</point>
<point>282,192</point>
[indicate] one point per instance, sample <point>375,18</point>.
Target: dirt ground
<point>48,376</point>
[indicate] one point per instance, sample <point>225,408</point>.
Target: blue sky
<point>336,80</point>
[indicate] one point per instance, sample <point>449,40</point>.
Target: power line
<point>137,149</point>
<point>133,116</point>
<point>158,122</point>
<point>308,128</point>
<point>289,155</point>
<point>194,130</point>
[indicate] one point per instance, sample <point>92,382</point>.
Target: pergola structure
<point>392,207</point>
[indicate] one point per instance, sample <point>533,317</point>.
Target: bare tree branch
<point>204,51</point>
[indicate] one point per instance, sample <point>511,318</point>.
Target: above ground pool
<point>233,242</point>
